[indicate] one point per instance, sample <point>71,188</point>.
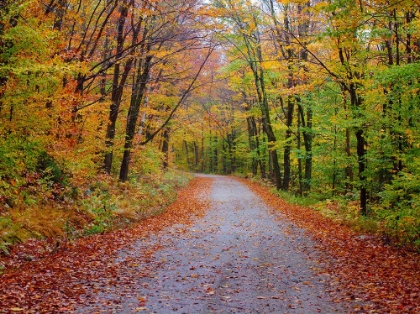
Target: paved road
<point>241,257</point>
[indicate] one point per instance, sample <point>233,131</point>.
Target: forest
<point>105,105</point>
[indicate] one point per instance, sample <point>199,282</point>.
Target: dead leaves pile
<point>42,278</point>
<point>363,266</point>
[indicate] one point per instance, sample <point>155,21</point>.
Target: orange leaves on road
<point>362,267</point>
<point>74,273</point>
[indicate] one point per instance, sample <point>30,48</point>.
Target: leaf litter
<point>67,278</point>
<point>361,267</point>
<point>234,259</point>
<point>216,263</point>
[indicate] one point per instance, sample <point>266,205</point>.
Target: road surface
<point>240,257</point>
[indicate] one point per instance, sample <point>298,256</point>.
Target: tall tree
<point>161,30</point>
<point>246,22</point>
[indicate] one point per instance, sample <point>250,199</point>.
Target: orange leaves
<point>38,280</point>
<point>364,267</point>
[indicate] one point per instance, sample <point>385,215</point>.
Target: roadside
<point>55,282</point>
<point>240,257</point>
<point>363,266</point>
<point>222,247</point>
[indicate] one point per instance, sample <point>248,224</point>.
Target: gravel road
<point>241,257</point>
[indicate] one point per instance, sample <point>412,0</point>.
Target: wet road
<point>241,257</point>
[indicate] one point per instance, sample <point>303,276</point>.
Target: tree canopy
<point>320,98</point>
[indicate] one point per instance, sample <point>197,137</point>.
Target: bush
<point>49,168</point>
<point>400,205</point>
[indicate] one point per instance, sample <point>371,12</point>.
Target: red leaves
<point>40,280</point>
<point>364,267</point>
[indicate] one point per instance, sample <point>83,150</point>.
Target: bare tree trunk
<point>252,144</point>
<point>288,146</point>
<point>356,102</point>
<point>165,147</point>
<point>196,155</point>
<point>133,113</point>
<point>262,97</point>
<point>117,90</point>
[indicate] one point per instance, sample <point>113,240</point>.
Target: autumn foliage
<point>101,100</point>
<point>320,98</point>
<point>84,86</point>
<point>41,277</point>
<point>362,266</point>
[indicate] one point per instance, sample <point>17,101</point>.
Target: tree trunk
<point>60,9</point>
<point>308,136</point>
<point>255,59</point>
<point>196,156</point>
<point>215,156</point>
<point>252,144</point>
<point>287,147</point>
<point>348,169</point>
<point>165,147</point>
<point>299,147</point>
<point>187,154</point>
<point>361,154</point>
<point>259,76</point>
<point>306,123</point>
<point>224,159</point>
<point>262,160</point>
<point>117,90</point>
<point>356,102</point>
<point>133,113</point>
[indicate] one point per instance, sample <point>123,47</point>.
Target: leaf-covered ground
<point>240,257</point>
<point>364,266</point>
<point>40,278</point>
<point>193,258</point>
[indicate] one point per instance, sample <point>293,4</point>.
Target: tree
<point>162,33</point>
<point>246,22</point>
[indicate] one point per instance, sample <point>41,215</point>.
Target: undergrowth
<point>399,223</point>
<point>399,226</point>
<point>37,211</point>
<point>46,195</point>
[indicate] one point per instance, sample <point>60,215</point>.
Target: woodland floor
<point>225,246</point>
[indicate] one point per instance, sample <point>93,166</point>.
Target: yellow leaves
<point>334,119</point>
<point>16,309</point>
<point>287,2</point>
<point>271,65</point>
<point>319,6</point>
<point>213,12</point>
<point>410,137</point>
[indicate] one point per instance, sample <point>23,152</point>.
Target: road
<point>240,257</point>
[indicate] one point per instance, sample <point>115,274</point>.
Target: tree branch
<point>181,100</point>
